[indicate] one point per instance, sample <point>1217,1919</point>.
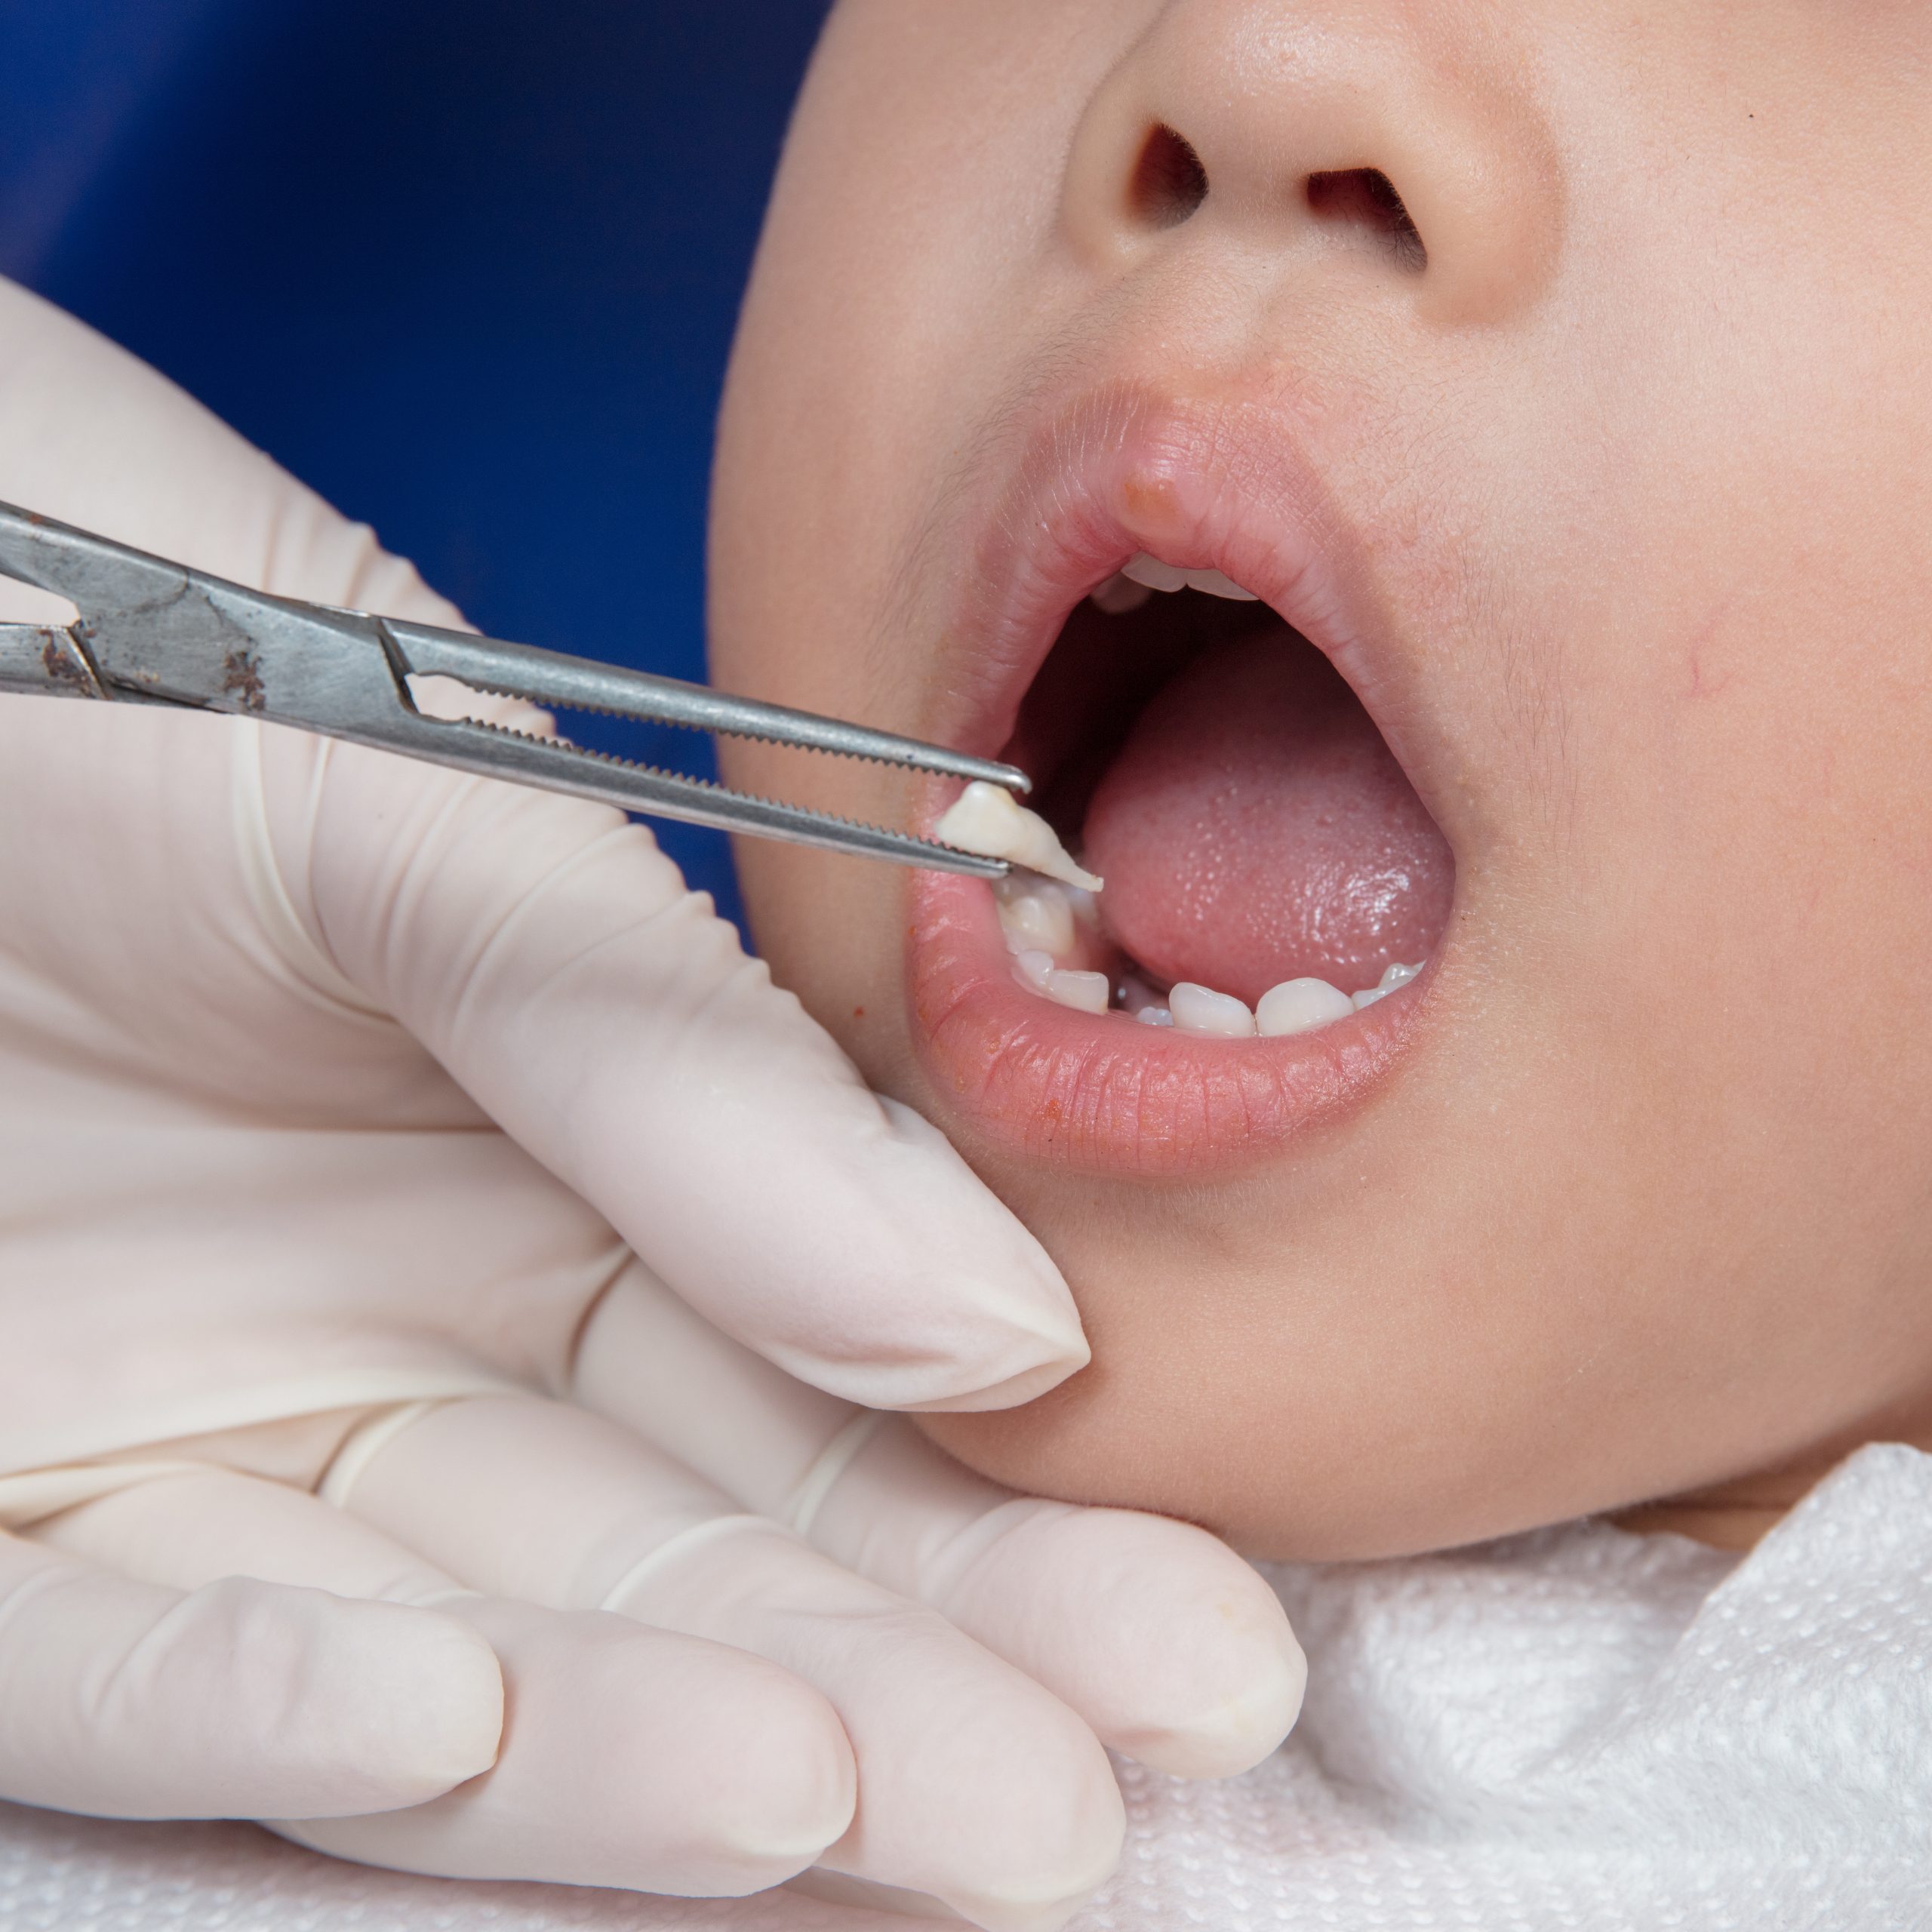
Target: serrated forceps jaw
<point>149,631</point>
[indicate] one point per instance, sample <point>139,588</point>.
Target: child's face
<point>1607,489</point>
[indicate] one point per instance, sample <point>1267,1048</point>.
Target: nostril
<point>1365,198</point>
<point>1169,181</point>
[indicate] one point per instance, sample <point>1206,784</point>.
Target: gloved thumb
<point>551,957</point>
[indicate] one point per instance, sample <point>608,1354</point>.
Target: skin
<point>1644,1210</point>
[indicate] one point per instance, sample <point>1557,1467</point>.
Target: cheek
<point>826,925</point>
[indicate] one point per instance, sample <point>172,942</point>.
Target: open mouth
<point>1276,892</point>
<point>1268,869</point>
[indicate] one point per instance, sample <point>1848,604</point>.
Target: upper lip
<point>1206,482</point>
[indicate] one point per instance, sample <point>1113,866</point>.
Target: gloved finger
<point>1174,1649</point>
<point>975,1785</point>
<point>552,958</point>
<point>129,1700</point>
<point>629,1757</point>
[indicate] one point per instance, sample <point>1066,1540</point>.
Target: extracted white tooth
<point>1299,1006</point>
<point>1039,921</point>
<point>1033,969</point>
<point>1201,1010</point>
<point>1088,991</point>
<point>1136,994</point>
<point>1154,574</point>
<point>1120,595</point>
<point>1155,1016</point>
<point>987,819</point>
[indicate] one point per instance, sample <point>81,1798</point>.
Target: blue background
<point>469,267</point>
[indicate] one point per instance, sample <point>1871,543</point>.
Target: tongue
<point>1255,829</point>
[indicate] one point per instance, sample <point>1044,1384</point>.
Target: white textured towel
<point>1577,1729</point>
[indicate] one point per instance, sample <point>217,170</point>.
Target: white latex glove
<point>415,1212</point>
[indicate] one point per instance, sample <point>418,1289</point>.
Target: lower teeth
<point>1201,1010</point>
<point>1043,921</point>
<point>1036,918</point>
<point>1299,1006</point>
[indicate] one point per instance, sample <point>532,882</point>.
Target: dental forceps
<point>150,631</point>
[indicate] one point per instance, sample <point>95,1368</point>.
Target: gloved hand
<point>420,1225</point>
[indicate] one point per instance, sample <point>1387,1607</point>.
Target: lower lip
<point>1102,1093</point>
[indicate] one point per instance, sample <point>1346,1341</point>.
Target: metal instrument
<point>150,631</point>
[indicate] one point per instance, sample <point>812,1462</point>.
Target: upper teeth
<point>1117,597</point>
<point>1150,573</point>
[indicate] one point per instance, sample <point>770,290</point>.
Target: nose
<point>1397,140</point>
